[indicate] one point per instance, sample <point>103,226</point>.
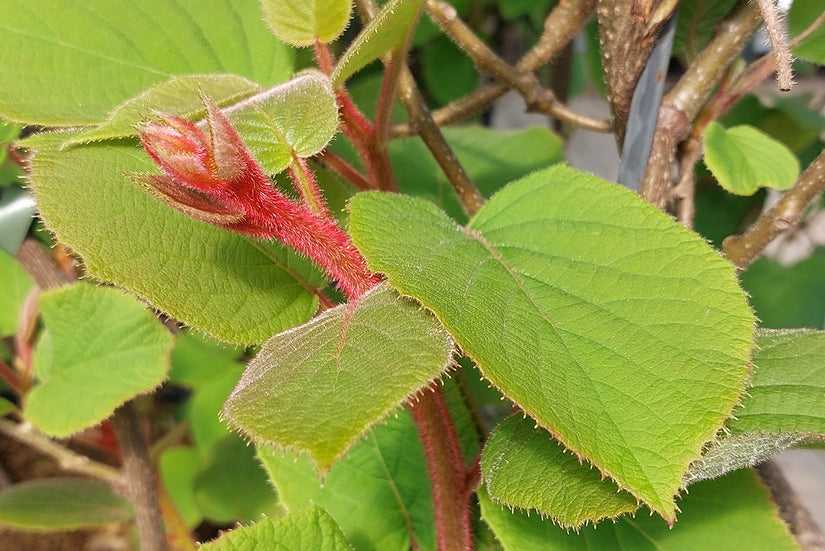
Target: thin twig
<point>560,27</point>
<point>468,194</point>
<point>140,479</point>
<point>683,102</point>
<point>779,43</point>
<point>538,98</point>
<point>338,165</point>
<point>682,196</point>
<point>65,458</point>
<point>744,249</point>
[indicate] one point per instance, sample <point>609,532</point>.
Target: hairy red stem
<point>448,475</point>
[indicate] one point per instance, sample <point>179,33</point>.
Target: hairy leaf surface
<point>522,466</point>
<point>787,392</point>
<point>611,330</point>
<point>180,95</point>
<point>321,386</point>
<point>121,49</point>
<point>235,289</point>
<point>309,530</point>
<point>299,116</point>
<point>384,33</point>
<point>302,22</point>
<point>101,347</point>
<point>727,514</point>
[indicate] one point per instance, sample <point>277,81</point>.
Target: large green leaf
<point>697,22</point>
<point>788,385</point>
<point>309,530</point>
<point>121,49</point>
<point>13,291</point>
<point>802,14</point>
<point>384,33</point>
<point>379,494</point>
<point>491,158</point>
<point>729,514</point>
<point>101,347</point>
<point>302,22</point>
<point>179,95</point>
<point>57,504</point>
<point>320,387</point>
<point>235,289</point>
<point>299,116</point>
<point>603,319</point>
<point>744,159</point>
<point>518,454</point>
<point>783,407</point>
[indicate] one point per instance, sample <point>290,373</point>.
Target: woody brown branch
<point>682,104</point>
<point>560,27</point>
<point>786,213</point>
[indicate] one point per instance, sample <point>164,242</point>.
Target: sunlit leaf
<point>302,22</point>
<point>572,311</point>
<point>744,159</point>
<point>70,63</point>
<point>100,344</point>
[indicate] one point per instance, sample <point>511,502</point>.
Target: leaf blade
<point>505,262</point>
<point>319,387</point>
<point>93,332</point>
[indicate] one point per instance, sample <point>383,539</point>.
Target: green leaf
<point>300,115</point>
<point>180,95</point>
<point>384,33</point>
<point>733,452</point>
<point>102,347</point>
<point>121,49</point>
<point>58,504</point>
<point>302,22</point>
<point>309,530</point>
<point>787,296</point>
<point>788,385</point>
<point>13,291</point>
<point>609,330</point>
<point>320,387</point>
<point>205,405</point>
<point>727,514</point>
<point>522,466</point>
<point>744,159</point>
<point>491,158</point>
<point>448,71</point>
<point>379,494</point>
<point>178,468</point>
<point>802,14</point>
<point>232,486</point>
<point>235,289</point>
<point>697,22</point>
